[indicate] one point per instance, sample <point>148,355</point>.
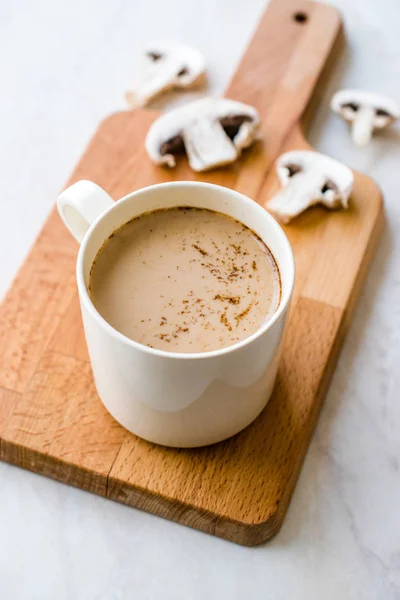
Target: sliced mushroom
<point>309,178</point>
<point>365,111</point>
<point>212,131</point>
<point>166,66</point>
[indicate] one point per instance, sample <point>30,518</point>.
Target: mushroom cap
<point>190,62</point>
<point>171,124</point>
<point>327,169</point>
<point>309,178</point>
<point>347,103</point>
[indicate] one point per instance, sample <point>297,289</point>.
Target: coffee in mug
<point>185,279</point>
<point>165,258</point>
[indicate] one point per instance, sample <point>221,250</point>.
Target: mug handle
<point>80,205</point>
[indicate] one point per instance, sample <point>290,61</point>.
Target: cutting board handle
<point>284,63</point>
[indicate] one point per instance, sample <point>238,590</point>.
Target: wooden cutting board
<point>51,420</point>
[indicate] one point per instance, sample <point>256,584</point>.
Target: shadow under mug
<point>171,398</point>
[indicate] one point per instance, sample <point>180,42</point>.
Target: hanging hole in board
<point>300,17</point>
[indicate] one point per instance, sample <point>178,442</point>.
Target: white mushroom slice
<point>212,131</point>
<point>166,66</point>
<point>206,143</point>
<point>365,111</point>
<point>309,178</point>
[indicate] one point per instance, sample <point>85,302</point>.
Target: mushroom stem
<point>363,126</point>
<point>207,144</point>
<point>292,200</point>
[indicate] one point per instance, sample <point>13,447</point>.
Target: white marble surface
<point>64,65</point>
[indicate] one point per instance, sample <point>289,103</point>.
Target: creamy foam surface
<point>185,280</point>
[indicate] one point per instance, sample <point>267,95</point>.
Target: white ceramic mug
<point>171,398</point>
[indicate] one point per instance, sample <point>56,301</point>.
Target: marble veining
<point>65,65</point>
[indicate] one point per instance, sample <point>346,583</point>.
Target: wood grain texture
<point>51,420</point>
<point>69,337</point>
<point>34,305</point>
<point>57,427</point>
<point>8,401</point>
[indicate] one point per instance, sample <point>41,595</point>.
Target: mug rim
<point>86,300</point>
